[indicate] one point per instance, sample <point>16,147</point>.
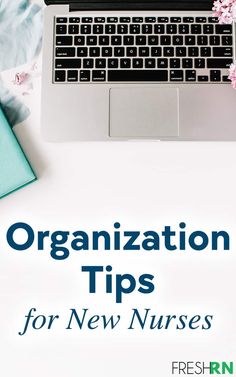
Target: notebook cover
<point>15,170</point>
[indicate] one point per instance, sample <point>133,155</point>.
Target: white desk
<point>143,185</point>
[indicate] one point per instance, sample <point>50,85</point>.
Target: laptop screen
<point>138,4</point>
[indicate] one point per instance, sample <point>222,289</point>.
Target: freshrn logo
<point>202,368</point>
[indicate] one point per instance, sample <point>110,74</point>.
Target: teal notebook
<point>15,170</point>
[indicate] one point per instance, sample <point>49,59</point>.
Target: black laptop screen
<point>138,4</point>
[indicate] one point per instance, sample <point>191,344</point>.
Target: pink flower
<point>225,10</point>
<point>24,80</point>
<point>21,78</point>
<point>232,75</point>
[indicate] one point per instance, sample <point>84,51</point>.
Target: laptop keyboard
<point>141,49</point>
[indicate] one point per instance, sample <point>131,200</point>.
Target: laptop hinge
<point>159,5</point>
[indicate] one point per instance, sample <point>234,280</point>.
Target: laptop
<point>136,69</point>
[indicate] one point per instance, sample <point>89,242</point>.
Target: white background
<point>143,185</point>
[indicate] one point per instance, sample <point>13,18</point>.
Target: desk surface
<point>143,185</point>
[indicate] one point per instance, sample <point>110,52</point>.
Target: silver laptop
<point>121,70</point>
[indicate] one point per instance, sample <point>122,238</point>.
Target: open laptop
<point>136,69</point>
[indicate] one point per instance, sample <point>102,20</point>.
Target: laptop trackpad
<point>144,112</point>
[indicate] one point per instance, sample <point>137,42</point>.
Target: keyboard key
<point>226,79</point>
<point>208,29</point>
<point>92,41</point>
<point>64,41</point>
<point>156,51</point>
<point>72,76</point>
<point>176,75</point>
<point>131,51</point>
<point>214,40</point>
<point>82,51</point>
<point>199,63</point>
<point>122,29</point>
<point>113,63</point>
<point>128,40</point>
<point>125,63</point>
<point>87,20</point>
<point>153,40</point>
<point>202,40</point>
<point>68,63</point>
<point>73,29</point>
<point>74,20</point>
<point>193,51</point>
<point>134,29</point>
<point>99,75</point>
<point>94,51</point>
<point>215,75</point>
<point>222,51</point>
<point>119,51</point>
<point>61,20</point>
<point>60,76</point>
<point>165,40</point>
<point>141,40</point>
<point>125,19</point>
<point>163,19</point>
<point>110,29</point>
<point>112,19</point>
<point>218,63</point>
<point>201,19</point>
<point>143,51</point>
<point>79,41</point>
<point>137,63</point>
<point>190,75</point>
<point>150,63</point>
<point>88,63</point>
<point>187,63</point>
<point>171,29</point>
<point>159,29</point>
<point>178,40</point>
<point>98,29</point>
<point>65,51</point>
<point>138,75</point>
<point>174,63</point>
<point>106,51</point>
<point>190,40</point>
<point>180,51</point>
<point>150,19</point>
<point>85,29</point>
<point>227,40</point>
<point>99,19</point>
<point>85,76</point>
<point>184,29</point>
<point>147,29</point>
<point>213,20</point>
<point>116,40</point>
<point>61,29</point>
<point>168,51</point>
<point>175,20</point>
<point>203,78</point>
<point>162,63</point>
<point>137,19</point>
<point>223,29</point>
<point>100,63</point>
<point>196,29</point>
<point>104,41</point>
<point>188,19</point>
<point>205,51</point>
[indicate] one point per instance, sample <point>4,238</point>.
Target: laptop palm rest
<point>144,112</point>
